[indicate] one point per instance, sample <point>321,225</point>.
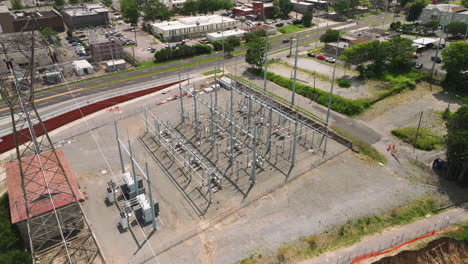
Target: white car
<point>330,59</point>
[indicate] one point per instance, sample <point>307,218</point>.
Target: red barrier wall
<point>8,143</point>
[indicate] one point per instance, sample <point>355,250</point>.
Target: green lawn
<point>291,28</point>
<point>212,72</point>
<point>427,140</point>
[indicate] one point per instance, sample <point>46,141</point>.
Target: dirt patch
<point>442,250</point>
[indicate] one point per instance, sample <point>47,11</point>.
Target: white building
<point>115,65</point>
<point>174,5</point>
<point>220,35</point>
<point>423,42</point>
<point>193,27</point>
<point>445,13</point>
<point>82,67</point>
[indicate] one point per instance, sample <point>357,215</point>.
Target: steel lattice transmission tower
<point>57,228</point>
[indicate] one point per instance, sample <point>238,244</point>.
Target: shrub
<point>217,45</point>
<point>182,51</point>
<point>343,83</point>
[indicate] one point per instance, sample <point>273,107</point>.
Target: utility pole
<point>295,72</point>
<point>417,132</point>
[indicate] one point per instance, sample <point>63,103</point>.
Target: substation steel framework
<point>246,124</point>
<point>62,235</point>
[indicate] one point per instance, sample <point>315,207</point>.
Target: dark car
<point>311,54</point>
<point>279,25</point>
<point>436,59</point>
<point>418,66</point>
<point>286,40</point>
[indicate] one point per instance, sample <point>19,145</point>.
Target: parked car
<point>330,59</point>
<point>279,25</point>
<point>286,40</point>
<point>418,66</point>
<point>436,59</point>
<point>74,44</point>
<point>459,36</point>
<point>311,54</point>
<point>439,46</point>
<point>83,54</point>
<point>320,57</point>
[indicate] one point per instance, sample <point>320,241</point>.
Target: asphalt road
<point>54,96</point>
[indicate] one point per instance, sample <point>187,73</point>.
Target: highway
<point>124,81</point>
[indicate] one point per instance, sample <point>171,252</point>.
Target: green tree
<point>130,12</point>
<point>392,55</point>
<point>59,2</point>
<point>255,52</point>
<point>456,28</point>
<point>217,45</point>
<point>226,5</point>
<point>455,59</point>
<point>464,3</point>
<point>283,7</point>
<point>432,25</point>
<point>364,3</point>
<point>457,146</point>
<point>107,2</point>
<point>330,35</point>
<point>190,8</point>
<point>415,11</point>
<point>16,4</point>
<point>231,43</point>
<point>307,19</point>
<point>342,7</point>
<point>155,10</point>
<point>73,2</point>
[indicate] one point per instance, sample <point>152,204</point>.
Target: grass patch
<point>362,147</point>
<point>347,234</point>
<point>461,233</point>
<point>212,72</point>
<point>427,140</point>
<point>289,29</point>
<point>11,244</point>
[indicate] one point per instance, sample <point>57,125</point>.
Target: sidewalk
<point>393,237</point>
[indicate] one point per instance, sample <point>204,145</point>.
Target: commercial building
<point>51,19</point>
<point>217,36</point>
<point>85,16</point>
<point>106,50</point>
<point>64,202</point>
<point>242,11</point>
<point>193,27</point>
<point>422,43</point>
<point>302,6</point>
<point>262,10</point>
<point>82,67</point>
<point>445,13</point>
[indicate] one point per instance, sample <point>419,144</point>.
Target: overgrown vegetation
<point>427,140</point>
<point>349,233</point>
<point>11,245</point>
<point>349,107</point>
<point>182,51</point>
<point>212,72</point>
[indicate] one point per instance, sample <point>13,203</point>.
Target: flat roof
<point>4,9</point>
<point>37,192</point>
<point>446,7</point>
<point>188,22</point>
<point>424,41</point>
<point>227,33</point>
<point>82,64</point>
<point>111,63</point>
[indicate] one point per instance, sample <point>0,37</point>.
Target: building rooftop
<point>81,64</point>
<point>188,22</point>
<point>36,14</point>
<point>87,10</point>
<point>4,9</point>
<point>446,7</point>
<point>17,41</point>
<point>61,193</point>
<point>227,33</point>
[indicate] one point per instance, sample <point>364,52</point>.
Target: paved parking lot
<point>425,59</point>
